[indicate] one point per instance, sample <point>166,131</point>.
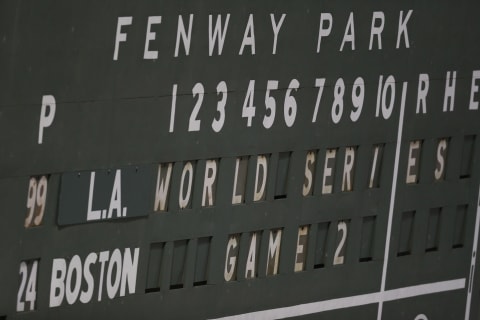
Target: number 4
<point>248,110</point>
<point>31,286</point>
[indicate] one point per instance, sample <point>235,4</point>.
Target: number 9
<point>41,200</point>
<point>31,196</point>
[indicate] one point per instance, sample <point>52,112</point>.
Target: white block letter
<point>248,36</point>
<point>324,31</point>
<point>208,182</point>
<point>450,82</point>
<point>473,103</point>
<point>261,165</point>
<point>57,282</point>
<point>186,38</point>
<point>121,37</point>
<point>377,30</point>
<point>151,54</point>
<point>276,28</point>
<point>347,169</point>
<point>273,252</point>
<point>163,186</point>
<point>129,271</point>
<point>218,34</point>
<point>349,35</point>
<point>231,260</point>
<point>183,200</point>
<point>402,29</point>
<point>307,186</point>
<point>412,162</point>
<point>423,84</point>
<point>327,171</point>
<point>46,119</point>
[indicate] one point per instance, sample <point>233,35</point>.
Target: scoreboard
<point>239,160</point>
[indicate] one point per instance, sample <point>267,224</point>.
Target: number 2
<point>337,258</point>
<point>194,123</point>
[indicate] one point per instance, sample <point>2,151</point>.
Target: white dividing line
<point>392,198</point>
<point>474,257</point>
<point>353,301</point>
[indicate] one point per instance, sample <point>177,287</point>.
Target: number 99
<point>36,200</point>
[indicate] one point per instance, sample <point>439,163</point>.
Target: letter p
<point>47,114</point>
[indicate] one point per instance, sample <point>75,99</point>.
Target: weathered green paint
<point>115,114</point>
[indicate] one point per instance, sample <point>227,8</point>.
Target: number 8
<point>337,106</point>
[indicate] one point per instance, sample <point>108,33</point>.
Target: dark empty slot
<point>321,245</point>
<point>154,267</point>
<point>282,175</point>
<point>178,264</point>
<point>406,231</point>
<point>201,263</point>
<point>433,229</point>
<point>467,156</point>
<point>3,317</point>
<point>365,259</point>
<point>368,234</point>
<point>176,286</point>
<point>459,231</point>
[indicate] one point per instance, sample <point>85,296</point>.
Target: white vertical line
<point>392,199</point>
<point>173,107</point>
<point>474,254</point>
